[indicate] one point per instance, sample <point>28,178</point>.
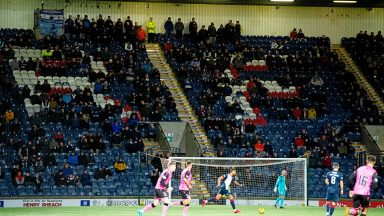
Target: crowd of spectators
<point>205,64</point>
<point>367,50</point>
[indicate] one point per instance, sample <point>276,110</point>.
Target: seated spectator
<point>259,146</point>
<point>151,132</point>
<point>297,113</point>
<point>120,166</point>
<point>116,127</point>
<point>327,161</point>
<point>311,113</point>
<point>28,179</point>
<point>103,173</point>
<point>342,149</point>
<point>268,148</point>
<point>59,137</point>
<point>2,173</point>
<point>83,159</point>
<point>85,178</point>
<point>50,160</point>
<point>59,178</point>
<point>14,64</point>
<point>292,153</point>
<point>26,91</point>
<point>316,80</point>
<point>72,180</point>
<point>19,178</point>
<point>35,99</point>
<point>73,159</point>
<point>299,141</point>
<point>67,170</point>
<point>9,115</point>
<point>154,176</point>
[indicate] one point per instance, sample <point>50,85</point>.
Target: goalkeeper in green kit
<point>281,188</point>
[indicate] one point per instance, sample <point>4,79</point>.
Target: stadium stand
<point>82,101</point>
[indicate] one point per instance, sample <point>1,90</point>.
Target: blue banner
<point>51,22</point>
<point>85,202</point>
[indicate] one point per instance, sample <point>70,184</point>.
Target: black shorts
<point>184,194</point>
<point>361,200</point>
<point>161,193</point>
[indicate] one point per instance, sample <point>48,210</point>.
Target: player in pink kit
<point>162,189</point>
<point>360,184</point>
<point>185,185</point>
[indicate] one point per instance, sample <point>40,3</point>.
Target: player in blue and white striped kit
<point>281,188</point>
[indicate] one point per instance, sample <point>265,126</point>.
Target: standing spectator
<point>120,166</point>
<point>128,26</point>
<point>293,34</point>
<point>179,27</point>
<point>140,36</point>
<point>238,30</point>
<point>212,34</point>
<point>68,26</point>
<point>119,29</point>
<point>193,30</point>
<point>37,180</point>
<point>168,26</point>
<point>19,178</point>
<point>151,29</point>
<point>300,35</point>
<point>203,34</point>
<point>85,178</point>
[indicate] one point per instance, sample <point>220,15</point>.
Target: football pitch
<point>176,211</point>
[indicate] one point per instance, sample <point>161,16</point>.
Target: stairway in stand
<point>186,112</point>
<point>361,80</point>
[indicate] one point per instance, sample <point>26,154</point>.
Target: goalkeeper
<point>281,188</point>
<point>224,182</point>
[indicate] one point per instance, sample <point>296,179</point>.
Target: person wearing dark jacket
<point>212,33</point>
<point>85,178</point>
<point>59,178</point>
<point>168,26</point>
<point>203,34</point>
<point>179,28</point>
<point>193,30</point>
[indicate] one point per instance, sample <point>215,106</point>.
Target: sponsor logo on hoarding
<point>85,203</point>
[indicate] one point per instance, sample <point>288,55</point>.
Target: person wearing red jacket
<point>297,113</point>
<point>259,146</point>
<point>141,35</point>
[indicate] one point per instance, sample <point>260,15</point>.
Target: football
<point>261,210</point>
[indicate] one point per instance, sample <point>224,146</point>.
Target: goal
<point>257,175</point>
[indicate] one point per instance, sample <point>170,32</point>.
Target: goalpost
<point>257,175</point>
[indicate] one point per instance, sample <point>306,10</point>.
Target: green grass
<point>175,211</point>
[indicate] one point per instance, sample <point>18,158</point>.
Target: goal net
<point>257,175</point>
